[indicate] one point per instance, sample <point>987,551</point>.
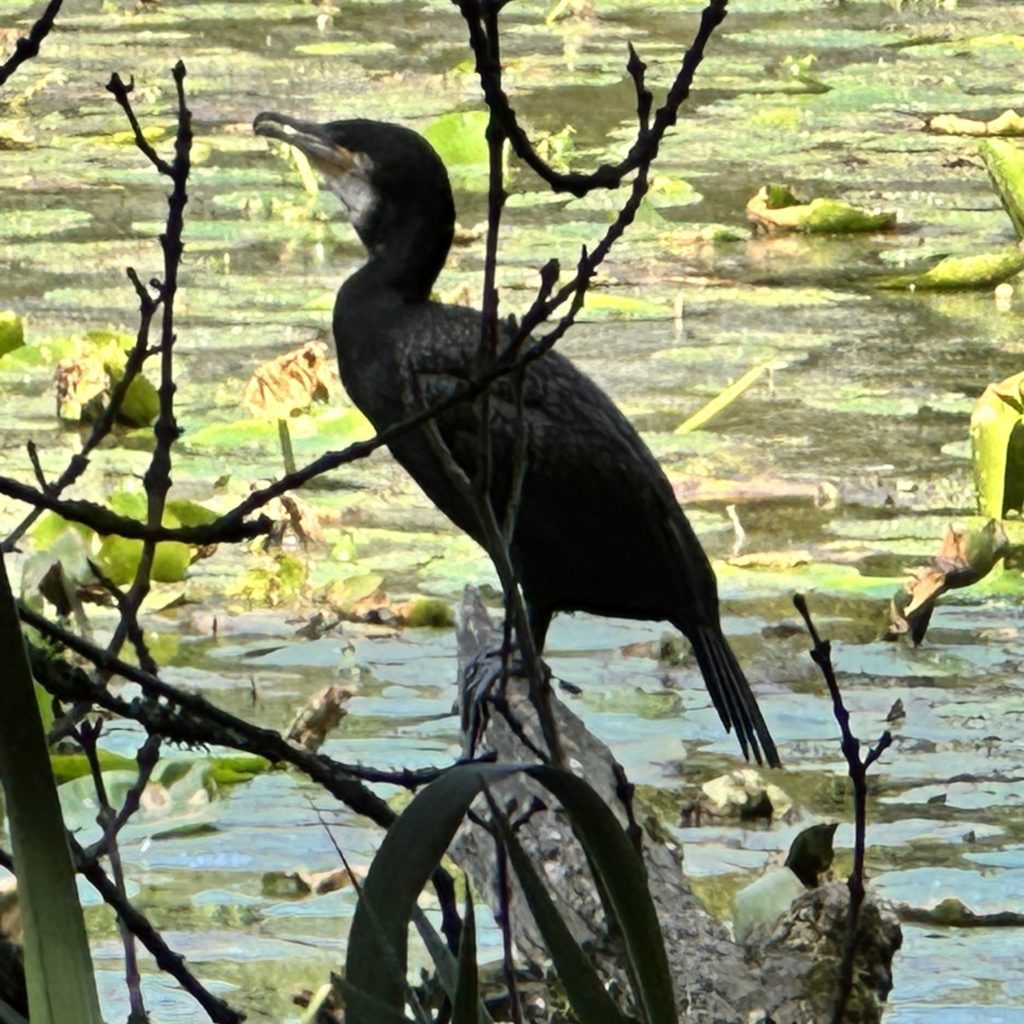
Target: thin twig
<point>111,822</point>
<point>645,147</point>
<point>27,47</point>
<point>139,925</point>
<point>503,914</point>
<point>103,423</point>
<point>821,653</point>
<point>121,90</point>
<point>189,718</point>
<point>157,479</point>
<point>494,541</point>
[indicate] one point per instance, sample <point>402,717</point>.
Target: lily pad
<point>12,333</point>
<point>119,559</point>
<point>778,209</point>
<point>1008,123</point>
<point>459,139</point>
<point>958,273</point>
<point>997,447</point>
<point>1004,162</point>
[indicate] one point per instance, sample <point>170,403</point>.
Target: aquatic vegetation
<point>776,208</point>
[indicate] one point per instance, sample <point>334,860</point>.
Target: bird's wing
<point>575,451</point>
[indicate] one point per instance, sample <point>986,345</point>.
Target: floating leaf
<point>67,767</point>
<point>119,559</point>
<point>141,403</point>
<point>427,612</point>
<point>459,138</point>
<point>12,333</point>
<point>959,273</point>
<point>1009,122</point>
<point>965,557</point>
<point>620,305</point>
<point>1004,162</point>
<point>997,447</point>
<point>346,594</point>
<point>360,47</point>
<point>777,209</point>
<point>233,769</point>
<point>44,224</point>
<point>189,513</point>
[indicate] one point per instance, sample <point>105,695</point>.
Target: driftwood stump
<point>784,974</point>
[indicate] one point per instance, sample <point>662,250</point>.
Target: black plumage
<point>597,528</point>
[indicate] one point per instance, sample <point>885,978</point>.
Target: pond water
<point>868,397</point>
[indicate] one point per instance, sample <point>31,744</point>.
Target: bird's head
<point>394,186</point>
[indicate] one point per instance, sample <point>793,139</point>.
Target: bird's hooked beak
<point>345,172</point>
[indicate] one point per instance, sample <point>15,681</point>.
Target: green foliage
<point>141,403</point>
<point>459,139</point>
<point>997,447</point>
<point>414,845</point>
<point>1004,162</point>
<point>58,965</point>
<point>347,593</point>
<point>230,770</point>
<point>12,333</point>
<point>778,197</point>
<point>956,273</point>
<point>119,559</point>
<point>430,611</point>
<point>778,209</point>
<point>72,545</point>
<point>278,582</point>
<point>68,767</point>
<point>311,431</point>
<point>89,368</point>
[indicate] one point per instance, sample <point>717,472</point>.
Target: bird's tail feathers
<point>731,694</point>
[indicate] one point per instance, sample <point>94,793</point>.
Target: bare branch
<point>139,925</point>
<point>121,90</point>
<point>27,47</point>
<point>645,147</point>
<point>821,653</point>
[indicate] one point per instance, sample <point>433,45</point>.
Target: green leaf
<point>414,845</point>
<point>956,273</point>
<point>445,964</point>
<point>582,984</point>
<point>141,403</point>
<point>58,966</point>
<point>778,209</point>
<point>119,559</point>
<point>467,991</point>
<point>361,1006</point>
<point>12,333</point>
<point>189,513</point>
<point>995,449</point>
<point>459,138</point>
<point>621,874</point>
<point>1004,162</point>
<point>67,767</point>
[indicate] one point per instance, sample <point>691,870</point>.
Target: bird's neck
<point>407,261</point>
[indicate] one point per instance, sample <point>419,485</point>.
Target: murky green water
<point>870,396</point>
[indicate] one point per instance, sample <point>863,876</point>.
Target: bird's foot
<point>483,686</point>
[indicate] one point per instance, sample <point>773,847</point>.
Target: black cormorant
<point>598,528</point>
